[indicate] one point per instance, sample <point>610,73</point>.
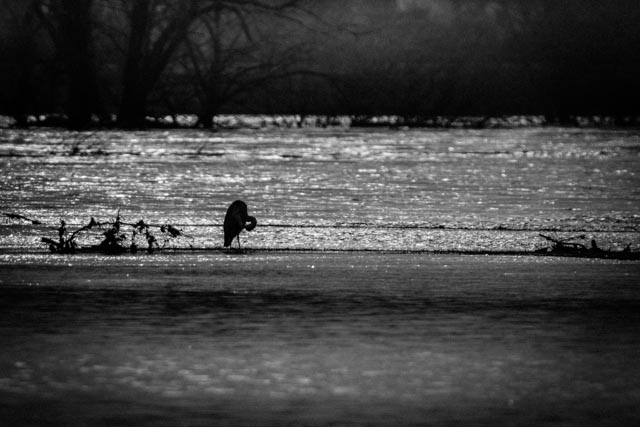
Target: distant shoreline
<point>297,121</point>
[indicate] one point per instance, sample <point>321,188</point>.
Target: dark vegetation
<point>118,236</point>
<point>81,63</point>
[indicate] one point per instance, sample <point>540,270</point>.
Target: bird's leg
<point>239,248</point>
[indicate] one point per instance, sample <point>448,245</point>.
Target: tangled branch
<point>118,236</point>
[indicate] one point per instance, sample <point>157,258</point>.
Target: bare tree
<point>70,26</point>
<point>239,46</point>
<point>155,30</point>
<point>19,46</point>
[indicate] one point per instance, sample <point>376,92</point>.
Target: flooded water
<point>272,339</point>
<point>333,189</point>
<point>340,312</point>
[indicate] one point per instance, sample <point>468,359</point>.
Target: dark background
<point>126,59</point>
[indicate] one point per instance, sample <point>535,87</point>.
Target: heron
<point>235,221</point>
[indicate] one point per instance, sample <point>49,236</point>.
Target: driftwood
<point>21,217</point>
<point>567,247</point>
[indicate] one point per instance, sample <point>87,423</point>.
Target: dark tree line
<point>132,58</point>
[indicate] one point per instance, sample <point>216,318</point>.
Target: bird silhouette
<point>236,220</point>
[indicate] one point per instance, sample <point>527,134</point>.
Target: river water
<point>332,189</point>
<point>341,311</point>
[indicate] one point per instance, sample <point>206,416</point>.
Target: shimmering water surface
<point>303,184</point>
<point>366,336</point>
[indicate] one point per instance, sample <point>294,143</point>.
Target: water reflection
<point>329,337</point>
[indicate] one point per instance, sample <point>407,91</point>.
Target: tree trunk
<point>70,26</point>
<point>208,110</point>
<point>75,17</point>
<point>205,120</point>
<point>134,93</point>
<point>133,106</point>
<point>151,47</point>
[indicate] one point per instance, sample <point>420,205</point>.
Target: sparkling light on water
<point>527,180</point>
